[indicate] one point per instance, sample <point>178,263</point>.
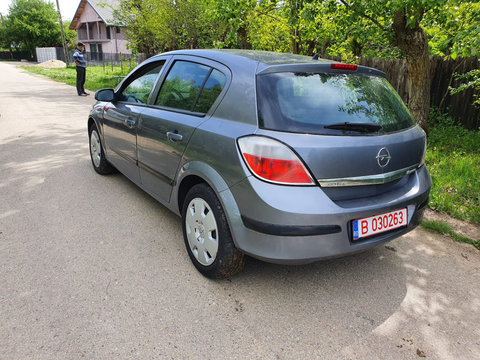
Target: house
<point>104,38</point>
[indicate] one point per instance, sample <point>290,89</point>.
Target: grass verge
<point>453,160</point>
<point>97,77</point>
<point>443,228</point>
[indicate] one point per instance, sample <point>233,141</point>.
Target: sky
<point>67,7</point>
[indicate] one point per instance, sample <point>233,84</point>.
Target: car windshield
<point>321,103</point>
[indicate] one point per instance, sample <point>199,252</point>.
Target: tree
<point>233,20</point>
<point>453,30</point>
<point>410,29</point>
<point>155,26</point>
<point>399,21</point>
<point>417,28</point>
<point>70,36</point>
<point>31,24</point>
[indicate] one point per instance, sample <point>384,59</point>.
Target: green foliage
<point>155,26</point>
<point>453,159</point>
<point>232,18</point>
<point>443,228</point>
<point>472,81</point>
<point>453,29</point>
<point>30,24</point>
<point>346,28</point>
<point>70,36</point>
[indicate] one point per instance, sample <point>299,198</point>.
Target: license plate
<point>379,223</point>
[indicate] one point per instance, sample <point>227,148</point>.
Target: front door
<point>121,119</point>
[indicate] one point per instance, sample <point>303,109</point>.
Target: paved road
<point>91,267</point>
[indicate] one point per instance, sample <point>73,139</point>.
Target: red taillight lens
<point>272,161</point>
<point>348,67</point>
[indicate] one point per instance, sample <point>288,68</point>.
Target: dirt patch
<point>461,227</point>
<point>51,64</point>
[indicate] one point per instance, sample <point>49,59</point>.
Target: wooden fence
<point>442,72</point>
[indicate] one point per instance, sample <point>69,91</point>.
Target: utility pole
<point>64,45</point>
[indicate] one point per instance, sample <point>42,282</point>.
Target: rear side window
<point>307,102</point>
<point>213,87</point>
<point>191,86</point>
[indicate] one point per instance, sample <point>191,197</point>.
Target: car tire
<point>97,155</point>
<point>207,235</point>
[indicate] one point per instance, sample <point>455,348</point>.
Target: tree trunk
<point>243,38</point>
<point>294,41</point>
<point>325,45</point>
<point>357,48</point>
<point>414,44</point>
<point>312,45</point>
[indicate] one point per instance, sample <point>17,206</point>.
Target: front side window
<point>191,87</point>
<point>139,89</point>
<point>320,103</point>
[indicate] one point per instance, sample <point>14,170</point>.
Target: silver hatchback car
<point>281,157</point>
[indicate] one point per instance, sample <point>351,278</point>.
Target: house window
<point>108,33</point>
<point>118,30</point>
<point>96,51</point>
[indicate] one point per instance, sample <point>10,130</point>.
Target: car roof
<point>261,61</point>
<point>264,57</point>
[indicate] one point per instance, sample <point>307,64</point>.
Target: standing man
<point>81,67</point>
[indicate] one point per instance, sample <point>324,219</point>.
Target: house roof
<point>104,9</point>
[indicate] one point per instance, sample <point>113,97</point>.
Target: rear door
<point>121,118</point>
<point>185,100</point>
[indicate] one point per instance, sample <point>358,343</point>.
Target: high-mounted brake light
<point>273,161</point>
<point>340,66</point>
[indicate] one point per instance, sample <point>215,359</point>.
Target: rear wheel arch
<point>187,183</point>
<point>196,172</point>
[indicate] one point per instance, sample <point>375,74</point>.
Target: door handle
<point>174,136</point>
<point>130,123</point>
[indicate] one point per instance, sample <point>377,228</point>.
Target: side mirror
<point>105,95</point>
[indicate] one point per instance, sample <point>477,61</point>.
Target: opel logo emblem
<point>383,157</point>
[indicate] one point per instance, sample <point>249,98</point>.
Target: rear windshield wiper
<point>359,127</point>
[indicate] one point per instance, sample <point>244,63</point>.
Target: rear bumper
<point>295,225</point>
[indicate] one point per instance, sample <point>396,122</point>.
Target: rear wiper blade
<point>359,127</point>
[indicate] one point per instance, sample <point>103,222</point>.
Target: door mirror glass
<point>104,95</point>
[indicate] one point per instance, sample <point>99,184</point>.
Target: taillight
<point>273,161</point>
<point>340,66</point>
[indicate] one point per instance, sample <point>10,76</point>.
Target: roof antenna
<point>315,57</point>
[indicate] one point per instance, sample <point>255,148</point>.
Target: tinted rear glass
<point>307,102</point>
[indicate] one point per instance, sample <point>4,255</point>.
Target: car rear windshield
<point>322,103</point>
